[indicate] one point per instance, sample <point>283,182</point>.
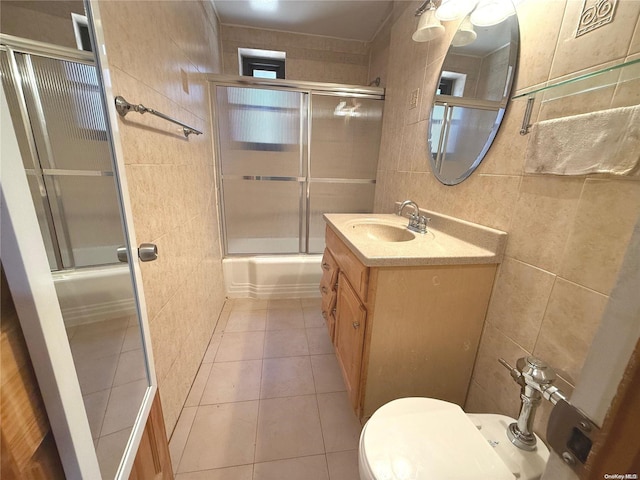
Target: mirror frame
<point>94,20</point>
<point>501,106</point>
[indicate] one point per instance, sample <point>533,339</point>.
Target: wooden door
<point>29,451</point>
<point>350,328</point>
<point>153,461</point>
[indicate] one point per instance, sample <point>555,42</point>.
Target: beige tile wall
<point>308,57</point>
<point>468,65</point>
<point>380,45</point>
<point>48,22</point>
<point>567,235</point>
<point>494,72</point>
<point>157,52</point>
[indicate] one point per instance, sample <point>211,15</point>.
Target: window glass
<point>262,67</point>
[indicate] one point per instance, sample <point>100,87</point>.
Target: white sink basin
<point>382,240</point>
<point>381,232</point>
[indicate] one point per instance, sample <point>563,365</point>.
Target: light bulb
<point>465,34</point>
<point>451,10</point>
<point>492,12</point>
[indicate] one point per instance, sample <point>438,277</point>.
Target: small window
<point>262,67</point>
<point>254,62</point>
<point>452,83</point>
<point>445,87</point>
<point>81,31</point>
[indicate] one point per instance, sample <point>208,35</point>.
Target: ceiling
<point>489,39</point>
<point>348,19</point>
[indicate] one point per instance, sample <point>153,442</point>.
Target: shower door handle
<point>147,252</point>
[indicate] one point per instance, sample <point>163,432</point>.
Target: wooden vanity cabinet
<point>406,331</point>
<point>351,320</point>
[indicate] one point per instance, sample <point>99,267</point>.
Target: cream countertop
<point>463,243</point>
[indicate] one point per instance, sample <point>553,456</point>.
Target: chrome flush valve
<point>535,378</point>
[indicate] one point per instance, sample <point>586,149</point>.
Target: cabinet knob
<point>324,315</point>
<point>325,265</point>
<point>323,289</point>
<point>355,324</point>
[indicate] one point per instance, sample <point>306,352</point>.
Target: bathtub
<point>272,276</point>
<point>93,294</point>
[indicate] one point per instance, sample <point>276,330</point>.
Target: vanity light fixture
<point>451,10</point>
<point>492,12</point>
<point>429,27</point>
<point>465,35</point>
<point>484,13</point>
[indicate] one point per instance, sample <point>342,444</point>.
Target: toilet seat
<point>426,439</point>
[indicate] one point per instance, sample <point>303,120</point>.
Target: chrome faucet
<point>536,379</point>
<point>417,223</point>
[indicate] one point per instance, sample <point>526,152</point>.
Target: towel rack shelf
<point>605,77</point>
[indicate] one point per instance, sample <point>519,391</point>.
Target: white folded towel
<point>607,141</point>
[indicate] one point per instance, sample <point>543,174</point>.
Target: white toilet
<point>429,439</point>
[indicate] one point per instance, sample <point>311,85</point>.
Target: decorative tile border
<point>595,13</point>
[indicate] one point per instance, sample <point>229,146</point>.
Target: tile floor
<point>113,379</point>
<point>269,402</point>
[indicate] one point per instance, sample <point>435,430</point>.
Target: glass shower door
<point>286,157</point>
<point>343,159</point>
<point>71,179</point>
<point>263,150</point>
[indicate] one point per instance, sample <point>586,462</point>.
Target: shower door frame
<point>309,88</point>
<point>58,231</point>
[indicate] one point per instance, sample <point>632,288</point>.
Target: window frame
<point>250,64</point>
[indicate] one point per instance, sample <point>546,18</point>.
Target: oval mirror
<point>472,93</point>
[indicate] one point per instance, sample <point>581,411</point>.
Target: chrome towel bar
<point>123,107</point>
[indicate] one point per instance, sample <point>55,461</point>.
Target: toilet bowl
<point>429,439</point>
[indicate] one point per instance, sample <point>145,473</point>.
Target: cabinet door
<point>329,270</point>
<point>328,287</point>
<point>350,328</point>
<point>355,271</point>
<point>329,312</point>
